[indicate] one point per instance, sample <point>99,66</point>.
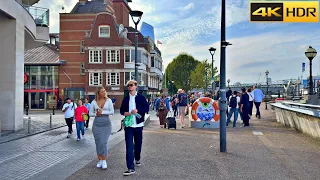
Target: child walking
<point>80,110</point>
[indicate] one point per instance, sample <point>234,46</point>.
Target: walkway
<point>50,154</point>
<point>280,153</point>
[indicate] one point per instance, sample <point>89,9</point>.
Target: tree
<point>179,71</point>
<point>198,76</point>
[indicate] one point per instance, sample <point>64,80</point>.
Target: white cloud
<point>280,52</point>
<point>187,7</point>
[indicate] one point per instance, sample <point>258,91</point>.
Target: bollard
<point>52,110</point>
<point>27,110</point>
<point>29,124</point>
<point>50,120</point>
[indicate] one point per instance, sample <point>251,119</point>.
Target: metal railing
<point>39,14</point>
<point>305,106</point>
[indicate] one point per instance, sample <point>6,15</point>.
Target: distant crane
<point>259,78</point>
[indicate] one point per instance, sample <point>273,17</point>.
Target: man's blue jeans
<point>133,138</point>
<point>80,127</point>
<point>235,111</point>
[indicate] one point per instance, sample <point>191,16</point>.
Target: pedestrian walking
<point>101,108</point>
<point>183,103</point>
<point>136,106</point>
<point>68,109</point>
<point>251,98</point>
<point>234,102</point>
<point>114,100</point>
<point>162,107</point>
<point>245,107</point>
<point>81,110</point>
<point>258,97</point>
<point>87,105</point>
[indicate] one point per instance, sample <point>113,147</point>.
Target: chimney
<point>83,2</point>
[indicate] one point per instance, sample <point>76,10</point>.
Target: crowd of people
<point>239,103</point>
<point>135,106</point>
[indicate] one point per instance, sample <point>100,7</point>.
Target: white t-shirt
<point>238,100</point>
<point>132,106</point>
<point>251,96</point>
<point>70,111</point>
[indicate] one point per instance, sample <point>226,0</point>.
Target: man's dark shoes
<point>129,172</point>
<point>138,163</point>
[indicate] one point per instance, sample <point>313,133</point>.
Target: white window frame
<point>92,83</point>
<point>109,77</point>
<point>109,56</point>
<point>124,77</point>
<point>106,35</point>
<point>92,56</point>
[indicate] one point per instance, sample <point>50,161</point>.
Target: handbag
<point>128,121</point>
<point>85,117</point>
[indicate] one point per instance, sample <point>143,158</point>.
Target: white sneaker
<point>104,164</point>
<point>99,165</point>
<point>82,137</point>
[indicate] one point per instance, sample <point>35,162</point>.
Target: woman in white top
<point>251,98</point>
<point>101,107</point>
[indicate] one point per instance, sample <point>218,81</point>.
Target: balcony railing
<point>39,14</point>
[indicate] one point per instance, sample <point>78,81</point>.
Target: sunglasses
<point>130,85</point>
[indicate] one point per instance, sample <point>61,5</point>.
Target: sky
<point>193,26</point>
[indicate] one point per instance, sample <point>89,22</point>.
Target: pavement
<point>266,150</point>
<point>50,155</point>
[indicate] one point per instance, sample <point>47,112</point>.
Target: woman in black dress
<point>244,109</point>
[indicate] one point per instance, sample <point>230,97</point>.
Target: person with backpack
<point>162,107</point>
<point>69,108</point>
<point>234,102</point>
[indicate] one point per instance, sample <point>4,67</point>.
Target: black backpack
<point>233,102</point>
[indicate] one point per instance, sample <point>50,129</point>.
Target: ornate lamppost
<point>310,54</point>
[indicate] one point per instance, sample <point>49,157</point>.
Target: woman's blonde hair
<point>97,93</point>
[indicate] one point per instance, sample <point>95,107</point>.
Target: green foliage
<point>179,70</point>
<point>198,76</point>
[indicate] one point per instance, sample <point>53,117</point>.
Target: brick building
<point>98,46</point>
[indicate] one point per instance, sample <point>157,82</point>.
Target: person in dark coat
<point>244,107</point>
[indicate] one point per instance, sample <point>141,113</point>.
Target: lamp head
<point>212,50</point>
<point>310,53</point>
<point>136,16</point>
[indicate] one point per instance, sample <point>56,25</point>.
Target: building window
<point>82,69</point>
<point>95,56</point>
<point>127,55</point>
<point>95,79</point>
<point>82,46</point>
<point>113,79</point>
<point>152,61</point>
<point>113,56</point>
<point>104,31</point>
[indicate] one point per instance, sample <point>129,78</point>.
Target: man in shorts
<point>182,104</point>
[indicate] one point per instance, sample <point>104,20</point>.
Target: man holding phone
<point>68,109</point>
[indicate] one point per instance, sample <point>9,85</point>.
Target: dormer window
<point>104,31</point>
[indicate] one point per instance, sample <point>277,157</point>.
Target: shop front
<point>41,87</point>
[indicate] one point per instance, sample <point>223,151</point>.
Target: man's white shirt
<point>70,111</point>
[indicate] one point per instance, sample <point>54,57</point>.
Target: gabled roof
<point>46,54</point>
<point>95,6</point>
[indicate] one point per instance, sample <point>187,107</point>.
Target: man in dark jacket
<point>134,104</point>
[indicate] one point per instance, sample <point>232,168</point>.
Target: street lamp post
<point>172,87</point>
<point>310,54</point>
<point>213,85</point>
<point>206,79</point>
<point>223,99</point>
<point>267,73</point>
<point>228,81</point>
<point>136,17</point>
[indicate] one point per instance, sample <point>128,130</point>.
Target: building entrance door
<point>37,100</point>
